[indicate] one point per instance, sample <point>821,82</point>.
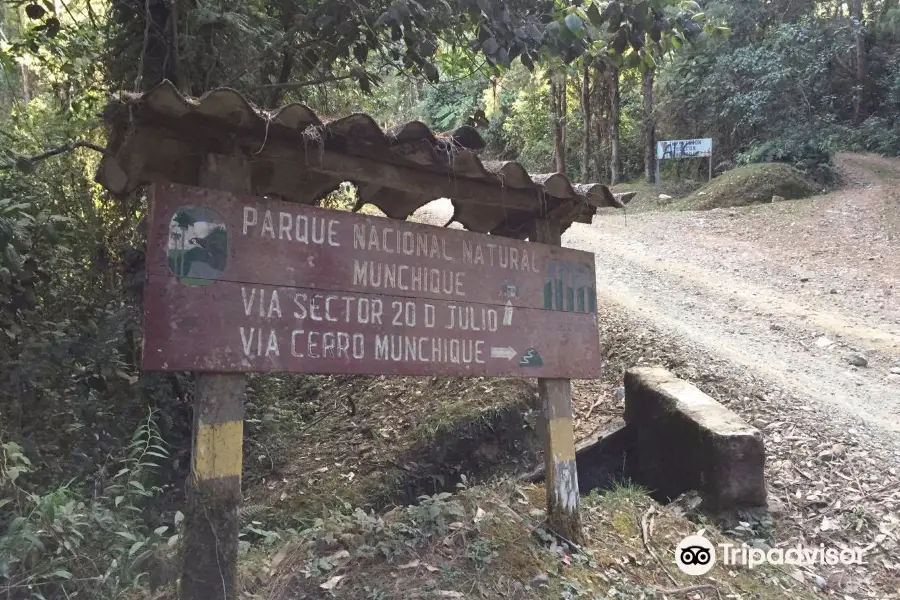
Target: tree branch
<point>22,161</point>
<point>303,84</point>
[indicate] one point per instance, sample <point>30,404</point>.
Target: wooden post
<point>657,171</point>
<point>558,433</point>
<point>214,487</point>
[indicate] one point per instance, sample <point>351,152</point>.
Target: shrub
<point>63,543</point>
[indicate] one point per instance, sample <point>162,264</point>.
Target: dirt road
<point>790,291</point>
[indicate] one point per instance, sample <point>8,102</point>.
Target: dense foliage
<point>786,90</point>
<point>92,452</point>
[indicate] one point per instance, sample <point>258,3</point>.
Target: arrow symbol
<point>507,353</point>
<point>508,313</point>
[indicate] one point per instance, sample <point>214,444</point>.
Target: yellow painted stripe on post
<point>562,438</point>
<point>219,450</point>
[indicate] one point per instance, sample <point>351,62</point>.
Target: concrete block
<point>602,457</point>
<point>685,440</point>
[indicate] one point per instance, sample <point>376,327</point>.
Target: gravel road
<point>738,284</point>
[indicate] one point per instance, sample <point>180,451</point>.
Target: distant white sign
<point>684,148</point>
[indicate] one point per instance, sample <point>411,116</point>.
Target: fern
<point>250,512</point>
<point>69,546</point>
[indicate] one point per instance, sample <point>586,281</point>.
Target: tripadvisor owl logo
<point>695,555</point>
<point>198,245</point>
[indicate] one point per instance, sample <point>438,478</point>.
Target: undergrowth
<point>75,542</point>
<point>491,541</point>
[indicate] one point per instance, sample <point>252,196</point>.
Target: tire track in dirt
<point>734,290</point>
<point>735,322</point>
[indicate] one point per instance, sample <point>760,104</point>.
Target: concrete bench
<point>685,440</point>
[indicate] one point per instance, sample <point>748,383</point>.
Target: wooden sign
<point>683,148</point>
<point>241,284</point>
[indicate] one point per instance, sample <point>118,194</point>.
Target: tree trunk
<point>859,106</point>
<point>26,84</point>
<point>601,123</point>
<point>180,81</point>
<point>586,118</point>
<point>564,103</point>
<point>838,9</point>
<point>649,126</point>
<point>614,105</point>
<point>558,114</point>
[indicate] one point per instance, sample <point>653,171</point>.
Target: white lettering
<point>267,226</point>
<point>250,218</point>
<point>247,340</point>
<point>359,346</point>
<point>248,302</point>
<point>315,309</point>
<point>294,335</point>
<point>328,316</point>
<point>400,348</point>
<point>386,276</point>
<point>284,226</point>
<point>274,305</point>
<point>272,346</point>
<point>302,234</point>
<point>300,302</point>
<point>332,233</point>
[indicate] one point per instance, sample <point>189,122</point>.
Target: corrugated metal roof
<point>299,156</point>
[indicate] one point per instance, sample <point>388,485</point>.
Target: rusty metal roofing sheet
<point>139,153</point>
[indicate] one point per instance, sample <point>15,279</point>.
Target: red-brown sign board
<point>242,284</point>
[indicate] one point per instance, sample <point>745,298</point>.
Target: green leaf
<point>699,17</point>
<point>135,547</point>
<point>35,542</point>
<point>620,42</point>
<point>62,574</point>
<point>35,11</point>
<point>433,76</point>
<point>632,59</point>
<point>490,46</point>
<point>127,535</point>
<point>575,24</point>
